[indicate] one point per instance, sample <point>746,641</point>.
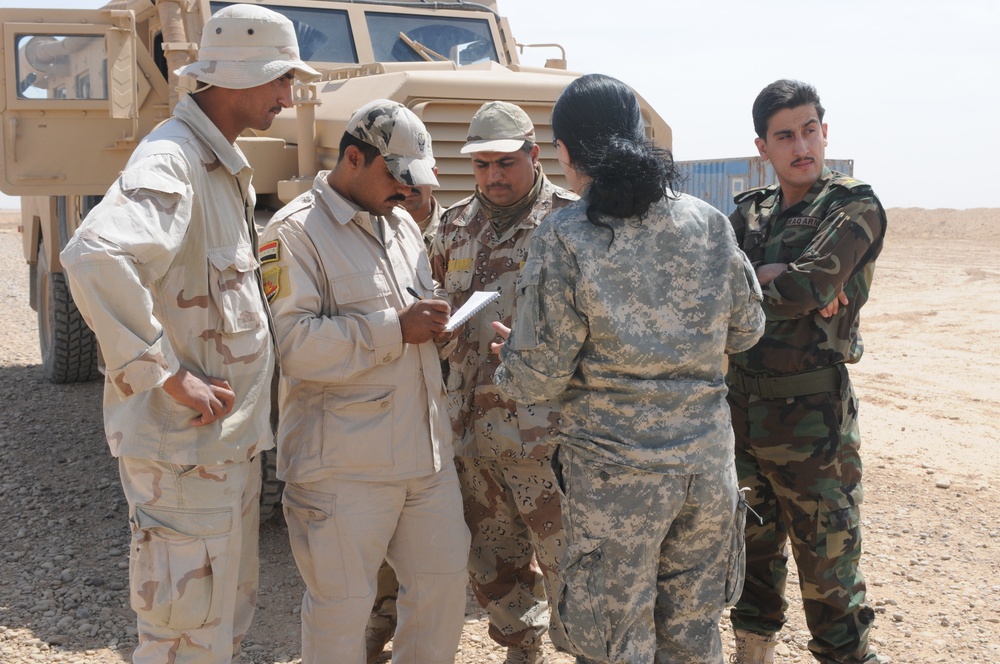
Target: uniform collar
<point>230,156</point>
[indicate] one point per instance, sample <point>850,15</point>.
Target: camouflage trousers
<point>512,510</point>
<point>800,459</point>
<point>193,566</point>
<point>651,562</point>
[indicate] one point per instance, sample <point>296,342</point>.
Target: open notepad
<point>476,301</point>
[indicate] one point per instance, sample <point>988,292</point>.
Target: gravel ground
<point>931,534</point>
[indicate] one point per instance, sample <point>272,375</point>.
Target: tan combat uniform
<point>364,441</point>
<point>165,272</point>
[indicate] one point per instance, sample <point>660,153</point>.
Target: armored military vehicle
<point>81,88</point>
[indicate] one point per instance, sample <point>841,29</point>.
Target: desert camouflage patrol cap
<point>243,46</point>
<point>400,137</point>
<point>499,126</point>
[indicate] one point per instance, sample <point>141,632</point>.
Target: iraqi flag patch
<point>270,251</point>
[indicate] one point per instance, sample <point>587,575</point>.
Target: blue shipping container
<point>718,180</point>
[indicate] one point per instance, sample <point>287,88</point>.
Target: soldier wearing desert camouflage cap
<point>364,442</point>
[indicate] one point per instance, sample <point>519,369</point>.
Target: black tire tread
<point>73,356</point>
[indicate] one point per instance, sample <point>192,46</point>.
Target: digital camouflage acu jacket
<point>631,337</point>
<point>830,241</point>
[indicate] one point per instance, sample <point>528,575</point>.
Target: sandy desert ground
<point>928,383</point>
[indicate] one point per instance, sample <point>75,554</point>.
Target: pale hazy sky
<point>911,87</point>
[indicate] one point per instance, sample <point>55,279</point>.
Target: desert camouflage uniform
<point>164,269</point>
<point>798,441</point>
<point>631,337</point>
<point>502,455</point>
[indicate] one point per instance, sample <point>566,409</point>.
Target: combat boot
<point>753,648</point>
<point>377,634</point>
<point>529,655</point>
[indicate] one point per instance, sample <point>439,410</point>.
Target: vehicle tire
<point>270,486</point>
<point>68,347</point>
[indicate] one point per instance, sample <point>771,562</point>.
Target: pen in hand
<point>409,289</point>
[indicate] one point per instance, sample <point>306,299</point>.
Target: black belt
<point>826,379</point>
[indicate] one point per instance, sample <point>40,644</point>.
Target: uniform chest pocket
<point>233,286</point>
<point>794,239</point>
<point>359,287</point>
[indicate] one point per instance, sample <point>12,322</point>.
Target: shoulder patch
<point>272,283</point>
<point>850,183</point>
<point>270,251</point>
<point>756,192</point>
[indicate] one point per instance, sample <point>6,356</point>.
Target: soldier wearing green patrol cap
<point>364,442</point>
<point>501,446</point>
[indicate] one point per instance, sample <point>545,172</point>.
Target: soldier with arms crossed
<point>813,239</point>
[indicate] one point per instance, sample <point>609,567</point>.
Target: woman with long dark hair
<point>628,303</point>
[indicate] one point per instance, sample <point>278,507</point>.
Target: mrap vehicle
<point>81,88</point>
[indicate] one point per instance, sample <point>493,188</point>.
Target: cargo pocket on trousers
<point>178,565</point>
<point>838,522</point>
<point>736,569</point>
<point>581,625</point>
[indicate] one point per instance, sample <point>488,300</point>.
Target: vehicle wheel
<point>270,485</point>
<point>69,348</point>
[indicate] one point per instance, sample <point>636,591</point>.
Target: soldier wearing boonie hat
<point>363,422</point>
<point>164,270</point>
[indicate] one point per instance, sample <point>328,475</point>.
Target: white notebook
<point>476,301</point>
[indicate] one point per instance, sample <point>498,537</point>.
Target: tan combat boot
<point>752,648</point>
<point>377,634</point>
<point>524,656</point>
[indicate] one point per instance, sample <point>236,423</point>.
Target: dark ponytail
<point>599,121</point>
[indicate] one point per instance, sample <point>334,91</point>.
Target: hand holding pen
<point>424,319</point>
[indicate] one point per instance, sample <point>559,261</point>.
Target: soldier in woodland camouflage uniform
<point>501,447</point>
<point>165,272</point>
<point>813,239</point>
<point>364,441</point>
<point>628,303</point>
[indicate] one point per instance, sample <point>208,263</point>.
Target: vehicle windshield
<point>409,38</point>
<point>324,35</point>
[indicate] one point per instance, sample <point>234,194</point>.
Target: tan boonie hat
<point>499,126</point>
<point>243,46</point>
<point>400,137</point>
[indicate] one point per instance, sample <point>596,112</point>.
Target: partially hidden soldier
<point>502,447</point>
<point>426,211</point>
<point>813,239</point>
<point>364,441</point>
<point>165,272</point>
